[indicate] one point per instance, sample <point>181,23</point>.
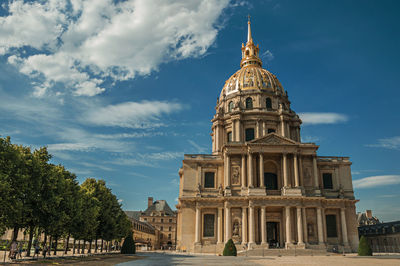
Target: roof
<point>133,214</point>
<point>159,206</point>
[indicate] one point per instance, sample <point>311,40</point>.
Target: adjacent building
<point>262,186</point>
<point>382,237</point>
<point>163,218</point>
<point>145,235</point>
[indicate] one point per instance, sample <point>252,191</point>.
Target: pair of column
<point>285,171</point>
<point>289,227</point>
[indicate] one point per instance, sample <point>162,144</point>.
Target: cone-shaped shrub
<point>230,249</point>
<point>363,247</point>
<point>128,247</point>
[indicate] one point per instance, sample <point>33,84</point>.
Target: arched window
<point>230,106</point>
<point>249,103</point>
<point>268,103</point>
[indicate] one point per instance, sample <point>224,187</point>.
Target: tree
<point>230,249</point>
<point>128,247</point>
<point>364,248</point>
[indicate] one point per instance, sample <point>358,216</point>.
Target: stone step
<point>283,252</point>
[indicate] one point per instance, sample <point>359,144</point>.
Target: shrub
<point>363,247</point>
<point>128,247</point>
<point>230,249</point>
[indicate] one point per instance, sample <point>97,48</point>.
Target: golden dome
<point>251,75</point>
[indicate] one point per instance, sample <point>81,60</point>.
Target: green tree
<point>364,248</point>
<point>230,249</point>
<point>128,247</point>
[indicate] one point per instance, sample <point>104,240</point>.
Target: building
<point>145,235</point>
<point>163,218</point>
<point>366,218</point>
<point>262,186</point>
<point>382,237</point>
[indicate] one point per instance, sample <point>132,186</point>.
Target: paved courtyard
<point>160,259</point>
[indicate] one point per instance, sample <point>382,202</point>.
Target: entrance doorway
<point>273,234</point>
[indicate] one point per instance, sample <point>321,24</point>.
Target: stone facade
<point>261,186</point>
<point>145,235</point>
<point>161,217</point>
<point>382,237</point>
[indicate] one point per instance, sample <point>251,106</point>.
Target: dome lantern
<point>250,52</point>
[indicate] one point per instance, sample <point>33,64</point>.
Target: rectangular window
<point>170,220</point>
<point>209,179</point>
<point>161,228</point>
<point>229,136</point>
<point>327,178</point>
<point>249,134</point>
<point>271,130</point>
<point>162,220</point>
<point>331,225</point>
<point>208,225</point>
<point>170,228</point>
<point>169,236</point>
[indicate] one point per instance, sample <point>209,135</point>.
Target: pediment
<point>274,139</point>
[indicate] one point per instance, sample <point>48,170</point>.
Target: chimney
<point>149,201</point>
<point>368,213</point>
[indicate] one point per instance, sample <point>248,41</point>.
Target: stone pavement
<point>169,259</point>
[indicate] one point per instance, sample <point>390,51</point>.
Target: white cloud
<point>82,44</point>
<point>267,55</point>
<point>392,143</point>
<point>309,139</point>
<point>199,149</point>
<point>376,181</point>
<point>323,118</point>
<point>143,114</point>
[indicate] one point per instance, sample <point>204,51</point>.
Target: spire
<point>249,38</point>
<point>250,51</point>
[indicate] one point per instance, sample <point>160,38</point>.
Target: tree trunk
<point>101,246</point>
<point>73,250</point>
<point>55,246</point>
<point>67,244</point>
<point>45,239</point>
<point>95,246</point>
<point>28,251</point>
<point>83,247</point>
<point>79,246</point>
<point>50,244</point>
<point>15,234</point>
<point>90,247</point>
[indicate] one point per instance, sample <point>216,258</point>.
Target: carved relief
<point>307,176</point>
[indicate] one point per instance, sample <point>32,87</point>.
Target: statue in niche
<point>235,175</point>
<point>235,231</point>
<point>341,191</point>
<point>310,229</point>
<point>198,188</point>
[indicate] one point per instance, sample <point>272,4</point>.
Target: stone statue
<point>220,190</point>
<point>235,175</point>
<point>235,231</point>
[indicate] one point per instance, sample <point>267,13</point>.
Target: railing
<point>333,159</point>
<point>201,156</point>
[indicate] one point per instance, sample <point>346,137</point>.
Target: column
<point>234,130</point>
<point>344,226</point>
<point>217,138</point>
<point>220,230</point>
<point>319,225</point>
<point>288,226</point>
<point>199,175</point>
<point>250,170</point>
<point>305,225</point>
<point>198,225</point>
<point>243,169</point>
<point>301,176</point>
<point>296,171</point>
<point>257,129</point>
<point>227,170</point>
<point>251,224</point>
<point>213,143</point>
<point>282,126</point>
<point>262,170</point>
<point>316,180</point>
<point>264,129</point>
<point>263,227</point>
<point>238,133</point>
<point>228,224</point>
<point>244,225</point>
<point>299,226</point>
<point>285,177</point>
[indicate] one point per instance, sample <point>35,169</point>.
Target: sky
<point>121,90</point>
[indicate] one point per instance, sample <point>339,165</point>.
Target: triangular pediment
<point>274,139</point>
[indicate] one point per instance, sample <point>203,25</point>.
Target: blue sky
<point>120,90</point>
